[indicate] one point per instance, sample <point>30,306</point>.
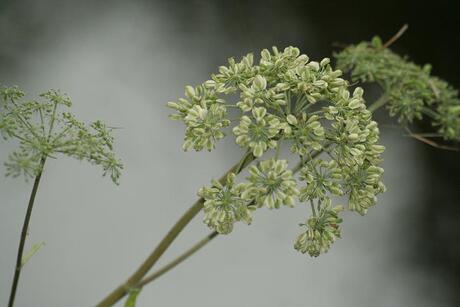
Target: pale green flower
<point>257,93</point>
<point>204,126</point>
<point>362,183</point>
<point>235,74</point>
<point>258,134</point>
<point>322,230</point>
<point>322,177</point>
<point>271,184</point>
<point>287,99</point>
<point>224,206</point>
<point>306,133</point>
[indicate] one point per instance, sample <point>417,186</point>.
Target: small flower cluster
<point>286,98</point>
<point>271,184</point>
<point>410,90</point>
<point>43,131</point>
<point>322,230</point>
<point>225,205</point>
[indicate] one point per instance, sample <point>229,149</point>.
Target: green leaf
<point>35,248</point>
<point>131,300</point>
<point>376,42</point>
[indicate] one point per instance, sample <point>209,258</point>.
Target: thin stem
<point>312,207</point>
<point>42,121</point>
<point>202,242</point>
<point>178,260</point>
<point>378,103</point>
<point>53,119</point>
<point>24,121</point>
<point>137,276</point>
<point>396,36</point>
<point>25,228</point>
<point>288,106</point>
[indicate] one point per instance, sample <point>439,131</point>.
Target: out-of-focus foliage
<point>43,131</point>
<point>409,90</point>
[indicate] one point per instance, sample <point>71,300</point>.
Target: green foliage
<point>410,90</point>
<point>35,248</point>
<point>43,130</point>
<point>285,99</point>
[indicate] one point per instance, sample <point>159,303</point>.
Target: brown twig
<point>427,141</point>
<point>396,36</point>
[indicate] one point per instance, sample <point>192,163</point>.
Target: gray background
<point>121,62</point>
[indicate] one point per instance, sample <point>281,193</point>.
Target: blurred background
<point>121,61</point>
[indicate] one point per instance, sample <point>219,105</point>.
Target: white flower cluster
<point>286,99</point>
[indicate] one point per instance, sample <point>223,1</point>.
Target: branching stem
<point>135,278</point>
<point>137,281</point>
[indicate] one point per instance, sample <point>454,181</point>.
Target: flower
<point>322,177</point>
<point>204,126</point>
<point>259,135</point>
<point>286,98</point>
<point>322,230</point>
<point>257,93</point>
<point>224,206</point>
<point>362,183</point>
<point>271,184</point>
<point>306,133</point>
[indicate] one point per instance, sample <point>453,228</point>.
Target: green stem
<point>178,260</point>
<point>121,291</point>
<point>312,207</point>
<point>143,269</point>
<point>288,105</point>
<point>202,242</point>
<point>378,103</point>
<point>53,119</point>
<point>25,227</point>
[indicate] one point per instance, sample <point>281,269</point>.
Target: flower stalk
<point>24,232</point>
<point>150,261</point>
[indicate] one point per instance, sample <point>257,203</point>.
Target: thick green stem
<point>25,227</point>
<point>135,278</point>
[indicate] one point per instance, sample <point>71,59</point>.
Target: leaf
<point>131,300</point>
<point>35,248</point>
<point>376,42</point>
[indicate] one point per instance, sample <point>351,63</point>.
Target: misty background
<point>121,61</point>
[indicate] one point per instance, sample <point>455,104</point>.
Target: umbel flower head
<point>323,229</point>
<point>410,91</point>
<point>322,178</point>
<point>286,99</point>
<point>224,205</point>
<point>271,184</point>
<point>258,134</point>
<point>43,130</point>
